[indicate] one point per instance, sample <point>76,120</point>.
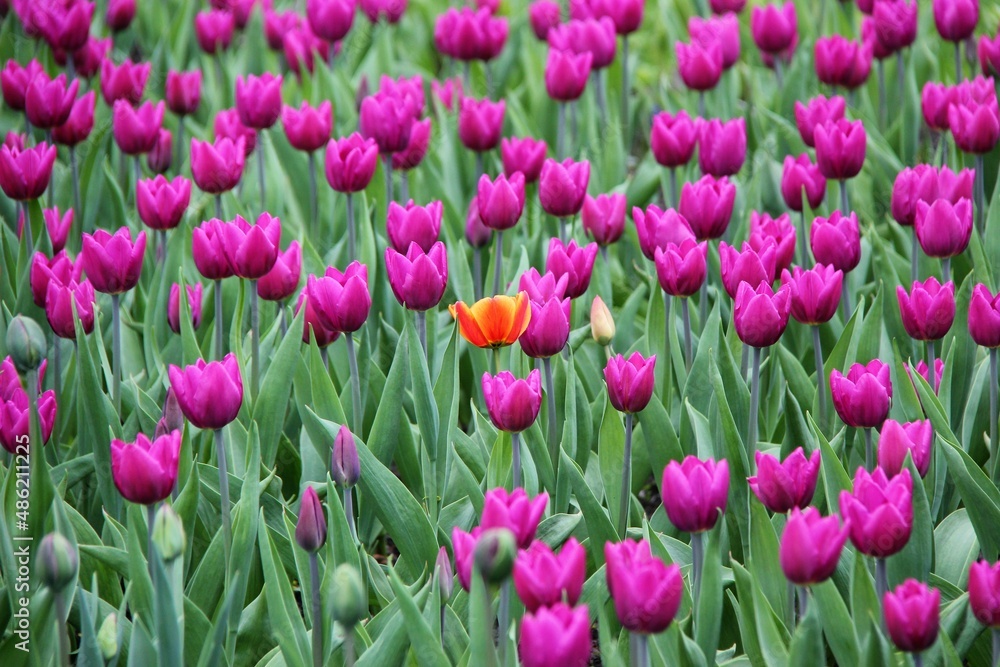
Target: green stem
<point>804,236</point>
<point>180,143</point>
<point>702,113</point>
<point>754,402</point>
<point>63,635</point>
<point>218,320</point>
<point>349,646</point>
<point>674,201</point>
<point>389,196</point>
<point>640,657</point>
<point>76,184</point>
<point>688,347</point>
<point>958,62</point>
<point>349,510</point>
<point>869,451</point>
<point>914,257</point>
<point>626,492</point>
<point>498,263</point>
<point>503,622</point>
<point>845,200</point>
<point>820,375</point>
<point>882,106</point>
<point>561,132</point>
<point>602,106</point>
<point>496,361</point>
<point>790,592</point>
<point>980,192</point>
<point>225,510</point>
<point>703,304</point>
<point>901,76</point>
<point>625,90</point>
<point>477,273</point>
<point>317,619</point>
<point>803,601</point>
<point>260,169</point>
<point>255,343</point>
<point>881,583</point>
<point>352,358</point>
<point>218,206</point>
<point>931,375</point>
<point>116,353</point>
<point>918,659</point>
<point>137,174</point>
<point>993,411</point>
<point>150,518</point>
<point>995,633</point>
<point>697,565</point>
<point>553,422</point>
<point>667,328</point>
<point>313,196</point>
<point>351,242</point>
<point>845,300</point>
<point>515,443</point>
<point>421,317</point>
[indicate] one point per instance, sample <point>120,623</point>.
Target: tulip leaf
<point>424,644</point>
<point>599,527</point>
<point>837,625</point>
<point>916,558</point>
<point>446,395</point>
<point>762,558</point>
<point>169,635</point>
<point>956,547</point>
<point>276,385</point>
<point>770,637</point>
<point>611,453</point>
<point>807,642</point>
<point>287,625</point>
<point>708,609</point>
<point>385,429</point>
<point>835,477</point>
<point>979,497</point>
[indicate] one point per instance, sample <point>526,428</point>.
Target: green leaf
<point>169,633</point>
<point>836,621</point>
<point>424,644</point>
<point>978,495</point>
<point>611,454</point>
<point>599,527</point>
<point>708,611</point>
<point>283,611</point>
<point>807,641</point>
<point>914,561</point>
<point>276,385</point>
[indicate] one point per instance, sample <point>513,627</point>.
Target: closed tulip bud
<point>840,148</point>
<point>836,241</point>
<point>603,217</point>
<point>183,91</point>
<point>818,111</point>
<point>60,300</point>
<point>563,186</point>
<point>444,575</point>
<point>127,81</point>
<point>80,122</point>
<point>984,592</point>
<point>815,293</point>
<point>112,262</point>
<point>935,101</point>
<point>214,30</point>
<point>647,593</point>
<point>388,120</point>
<point>525,155</point>
<point>208,252</point>
<point>107,637</point>
<point>897,440</point>
<point>672,138</point>
<point>14,81</point>
<point>658,229</point>
<point>774,27</point>
<point>480,123</point>
<point>544,15</point>
<point>341,300</point>
<point>630,381</point>
<point>811,546</point>
<point>136,129</point>
<point>418,279</point>
<point>350,163</point>
<point>251,250</point>
<point>895,24</point>
<point>512,403</point>
<point>413,224</point>
<point>345,466</point>
<point>331,20</point>
<point>842,62</point>
<point>227,124</point>
<point>976,127</point>
<point>761,314</point>
<point>501,202</point>
<point>66,26</point>
<point>514,511</point>
<point>219,380</point>
<point>57,226</point>
<point>602,324</point>
<point>695,493</point>
<point>699,64</point>
<point>924,371</point>
<point>349,603</point>
<point>162,203</point>
<point>391,10</point>
<point>566,74</point>
<point>26,343</point>
<point>788,484</point>
<point>258,100</point>
<point>956,19</point>
<point>194,293</point>
<point>464,545</point>
<point>57,562</point>
<point>944,229</point>
<point>556,635</point>
<point>575,262</point>
<point>218,167</point>
<point>160,156</point>
<point>989,55</point>
<point>764,229</point>
<point>48,102</point>
<point>707,206</point>
<point>722,146</point>
<point>880,512</point>
<point>722,30</point>
<point>912,613</point>
<point>862,398</point>
<point>168,533</point>
<point>171,418</point>
<point>494,554</point>
<point>416,149</point>
<point>681,269</point>
<point>984,317</point>
<point>543,579</point>
<point>928,310</point>
<point>25,174</point>
<point>798,175</point>
<point>750,266</point>
<point>310,530</point>
<point>43,270</point>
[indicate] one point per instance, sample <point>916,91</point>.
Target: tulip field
<point>499,333</point>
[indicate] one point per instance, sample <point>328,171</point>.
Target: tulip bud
<point>310,531</point>
<point>602,324</point>
<point>349,604</point>
<point>25,343</point>
<point>444,574</point>
<point>107,636</point>
<point>57,562</point>
<point>168,534</point>
<point>345,468</point>
<point>494,555</point>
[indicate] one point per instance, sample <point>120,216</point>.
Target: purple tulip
<point>761,314</point>
<point>956,19</point>
<point>944,229</point>
<point>145,471</point>
<point>788,484</point>
<point>897,440</point>
<point>811,546</point>
<point>162,203</point>
<point>984,317</point>
<point>840,148</point>
<point>350,163</point>
<point>798,174</point>
<point>672,138</point>
<point>218,167</point>
<point>699,64</point>
<point>695,493</point>
<point>630,381</point>
<point>210,393</point>
<point>566,74</point>
<point>556,635</point>
<point>282,280</point>
<point>341,301</point>
<point>657,229</point>
<point>512,403</point>
<point>818,111</point>
<point>525,155</point>
<point>194,293</point>
<point>413,224</point>
<point>514,510</point>
<point>912,613</point>
<point>418,280</point>
<point>603,218</point>
<point>707,206</point>
<point>984,592</point>
<point>862,398</point>
<point>25,174</point>
<point>501,201</point>
<point>183,91</point>
<point>647,592</point>
<point>928,310</point>
<point>681,269</point>
<point>815,292</point>
<point>480,123</point>
<point>543,579</point>
<point>754,267</point>
<point>722,146</point>
<point>562,186</point>
<point>310,529</point>
<point>836,241</point>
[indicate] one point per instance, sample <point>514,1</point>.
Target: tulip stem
<point>218,319</point>
<point>980,192</point>
<point>703,304</point>
<point>56,366</point>
<point>918,659</point>
<point>496,361</point>
<point>688,348</point>
<point>820,375</point>
<point>958,62</point>
<point>349,647</point>
<point>625,116</point>
<point>845,300</point>
<point>260,168</point>
<point>640,646</point>
<point>701,104</point>
<point>477,273</point>
<point>845,201</point>
<point>931,375</point>
<point>914,257</point>
<point>150,517</point>
<point>744,362</point>
<point>313,197</point>
<point>881,583</point>
<point>224,510</point>
<point>790,592</point>
<point>284,320</point>
<point>803,597</point>
<point>804,236</point>
<point>503,622</point>
<point>697,564</point>
<point>63,636</point>
<point>255,342</point>
<point>626,493</point>
<point>116,353</point>
<point>389,195</point>
<point>996,646</point>
<point>869,450</point>
<point>351,233</point>
<point>180,143</point>
<point>550,390</point>
<point>421,317</point>
<point>561,132</point>
<point>901,75</point>
<point>498,263</point>
<point>993,413</point>
<point>352,358</point>
<point>218,206</point>
<point>21,208</point>
<point>562,231</point>
<point>754,400</point>
<point>317,621</point>
<point>76,183</point>
<point>349,510</point>
<point>515,444</point>
<point>882,106</point>
<point>779,74</point>
<point>673,188</point>
<point>599,96</point>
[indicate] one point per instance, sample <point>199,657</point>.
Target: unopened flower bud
<point>57,562</point>
<point>168,534</point>
<point>172,418</point>
<point>602,325</point>
<point>495,552</point>
<point>444,574</point>
<point>345,468</point>
<point>310,531</point>
<point>349,603</point>
<point>25,343</point>
<point>107,636</point>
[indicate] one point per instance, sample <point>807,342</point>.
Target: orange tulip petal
<point>495,316</point>
<point>468,325</point>
<point>522,316</point>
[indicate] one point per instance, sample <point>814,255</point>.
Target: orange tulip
<point>493,322</point>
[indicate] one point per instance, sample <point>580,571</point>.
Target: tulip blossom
<point>575,262</point>
<point>984,592</point>
<point>477,234</point>
<point>912,614</point>
<point>841,62</point>
<point>880,512</point>
<point>341,300</point>
<point>840,148</point>
<point>62,298</point>
<point>647,592</point>
<point>15,409</point>
<point>418,279</point>
<point>774,27</point>
<point>595,36</point>
<point>630,381</point>
<point>162,203</point>
<point>764,229</point>
<point>308,127</point>
<point>464,544</point>
<point>544,579</point>
<point>800,176</point>
<point>923,370</point>
<point>160,156</point>
<point>563,186</point>
<point>681,269</point>
<point>897,440</point>
<point>208,251</point>
<point>214,30</point>
<point>501,201</point>
<point>416,149</point>
<point>566,74</point>
<point>984,317</point>
<point>391,10</point>
<point>493,322</point>
<point>194,293</point>
<point>136,129</point>
<point>811,546</point>
<point>251,250</point>
<point>350,163</point>
<point>935,101</point>
<point>700,64</point>
<point>862,397</point>
<point>183,91</point>
<point>525,155</point>
<point>57,226</point>
<point>48,102</point>
<point>722,30</point>
<point>818,111</point>
<point>330,20</point>
<point>480,123</point>
<point>228,125</point>
<point>113,262</point>
<point>556,635</point>
<point>210,394</point>
<point>388,120</point>
<point>956,19</point>
<point>218,167</point>
<point>25,174</point>
<point>944,229</point>
<point>60,267</point>
<point>413,224</point>
<point>548,330</point>
<point>722,146</point>
<point>761,315</point>
<point>282,280</point>
<point>750,266</point>
<point>80,122</point>
<point>514,511</point>
<point>603,218</point>
<point>258,100</point>
<point>927,184</point>
<point>310,529</point>
<point>836,241</point>
<point>14,81</point>
<point>788,484</point>
<point>815,293</point>
<point>513,404</point>
<point>544,15</point>
<point>311,326</point>
<point>672,139</point>
<point>127,81</point>
<point>657,229</point>
<point>928,310</point>
<point>989,55</point>
<point>707,205</point>
<point>467,34</point>
<point>145,471</point>
<point>976,127</point>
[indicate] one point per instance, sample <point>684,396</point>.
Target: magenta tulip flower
<point>935,101</point>
<point>258,100</point>
<point>330,20</point>
<point>575,262</point>
<point>811,546</point>
<point>699,64</point>
<point>127,81</point>
<point>416,149</point>
<point>145,471</point>
<point>25,174</point>
<point>418,279</point>
<point>840,148</point>
<point>501,201</point>
<point>774,27</point>
<point>799,175</point>
<point>162,203</point>
<point>543,579</point>
<point>818,111</point>
<point>15,409</point>
<point>112,262</point>
<point>956,19</point>
<point>912,614</point>
<point>514,511</point>
<point>944,229</point>
<point>984,592</point>
<point>647,593</point>
<point>984,317</point>
<point>388,120</point>
<point>723,30</point>
<point>897,440</point>
<point>218,167</point>
<point>556,635</point>
<point>764,229</point>
<point>722,146</point>
<point>658,229</point>
<point>681,269</point>
<point>754,267</point>
<point>566,74</point>
<point>183,91</point>
<point>308,128</point>
<point>603,218</point>
<point>14,80</point>
<point>563,186</point>
<point>310,529</point>
<point>413,224</point>
<point>707,205</point>
<point>842,62</point>
<point>228,125</point>
<point>761,314</point>
<point>350,163</point>
<point>194,294</point>
<point>210,394</point>
<point>48,102</point>
<point>815,293</point>
<point>788,484</point>
<point>862,397</point>
<point>695,493</point>
<point>43,269</point>
<point>341,301</point>
<point>61,298</point>
<point>480,123</point>
<point>513,404</point>
<point>928,310</point>
<point>214,30</point>
<point>880,512</point>
<point>80,122</point>
<point>283,279</point>
<point>544,15</point>
<point>836,241</point>
<point>975,126</point>
<point>630,381</point>
<point>251,250</point>
<point>525,155</point>
<point>672,138</point>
